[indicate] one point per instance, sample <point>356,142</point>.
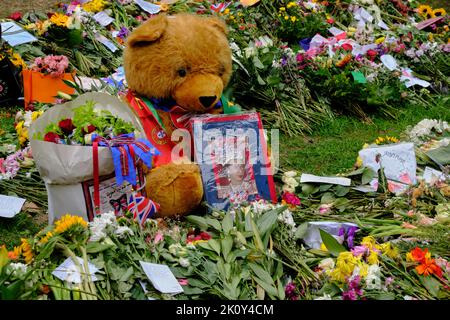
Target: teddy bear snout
<point>208,101</point>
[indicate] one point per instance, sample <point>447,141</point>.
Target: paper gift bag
<point>44,88</point>
<point>10,86</point>
<point>67,170</point>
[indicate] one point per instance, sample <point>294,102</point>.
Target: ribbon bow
<point>120,205</point>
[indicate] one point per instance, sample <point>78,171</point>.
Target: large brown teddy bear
<point>185,59</point>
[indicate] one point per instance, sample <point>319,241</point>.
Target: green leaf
<point>95,247</point>
<point>257,236</point>
<point>341,190</point>
<point>327,198</point>
<point>214,223</point>
<point>271,290</point>
<point>199,221</point>
<point>188,290</point>
<point>261,273</point>
<point>227,223</point>
<point>325,187</point>
<point>197,283</point>
<point>257,63</point>
<point>127,274</point>
<point>368,175</point>
<point>268,220</point>
<point>385,296</point>
<point>227,245</point>
<point>333,246</point>
<point>215,245</point>
<point>431,284</point>
<point>280,288</point>
<point>308,188</point>
<point>301,230</point>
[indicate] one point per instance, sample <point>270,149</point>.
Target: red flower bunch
<point>52,137</point>
<point>193,236</point>
<point>427,266</point>
<point>16,16</point>
<point>66,126</point>
<point>291,199</point>
<point>371,54</point>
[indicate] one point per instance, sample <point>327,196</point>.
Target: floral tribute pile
<point>352,56</point>
<point>318,59</point>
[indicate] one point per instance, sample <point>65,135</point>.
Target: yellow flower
<point>345,264</point>
<point>380,40</point>
<point>286,17</point>
<point>227,11</point>
<point>409,257</point>
<point>26,251</point>
<point>439,12</point>
<point>19,127</point>
<point>67,221</point>
<point>430,37</point>
<point>372,258</point>
<point>59,19</point>
<point>323,247</point>
<point>36,114</point>
<point>17,60</point>
<point>94,5</point>
<point>291,4</point>
<point>23,137</point>
<point>339,275</point>
<point>282,9</point>
<point>48,235</point>
<point>389,250</point>
<point>370,243</point>
<point>423,10</point>
<point>363,269</point>
<point>293,18</point>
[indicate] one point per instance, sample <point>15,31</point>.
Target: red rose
<point>89,129</point>
<point>16,16</point>
<point>371,53</point>
<point>52,137</point>
<point>347,47</point>
<point>330,20</point>
<point>205,236</point>
<point>66,126</point>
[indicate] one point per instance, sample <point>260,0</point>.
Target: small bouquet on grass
<point>55,66</point>
<point>85,123</point>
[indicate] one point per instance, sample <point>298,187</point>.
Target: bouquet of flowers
<point>55,66</point>
<point>85,123</point>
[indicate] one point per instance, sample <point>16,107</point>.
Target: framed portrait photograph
<point>232,153</point>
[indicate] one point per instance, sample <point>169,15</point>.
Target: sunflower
<point>60,20</point>
<point>439,12</point>
<point>66,222</point>
<point>423,10</point>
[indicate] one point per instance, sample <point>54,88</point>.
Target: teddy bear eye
<point>182,72</point>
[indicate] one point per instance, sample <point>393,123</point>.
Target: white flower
<point>18,269</point>
<point>287,188</point>
<point>263,42</point>
<point>102,225</point>
<point>373,281</point>
<point>10,148</point>
<point>290,181</point>
<point>290,174</point>
<point>250,51</point>
<point>286,218</point>
<point>184,262</point>
<point>324,297</point>
<point>235,48</point>
<point>27,119</point>
<point>122,231</point>
<point>327,264</point>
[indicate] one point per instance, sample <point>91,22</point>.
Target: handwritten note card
<point>10,206</point>
<point>106,42</point>
<point>161,277</point>
<point>330,180</point>
<point>15,35</point>
<point>68,270</point>
<point>147,6</point>
<point>103,18</point>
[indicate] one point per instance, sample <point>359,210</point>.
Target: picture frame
<point>232,154</point>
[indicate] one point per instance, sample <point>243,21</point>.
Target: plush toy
<point>175,66</point>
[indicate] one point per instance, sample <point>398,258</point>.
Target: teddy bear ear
<point>148,32</point>
<point>219,24</point>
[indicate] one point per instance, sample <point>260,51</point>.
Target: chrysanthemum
<point>27,252</point>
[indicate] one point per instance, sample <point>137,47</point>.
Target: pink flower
<point>325,208</point>
<point>183,282</point>
<point>158,238</point>
<point>291,199</point>
<point>16,16</point>
<point>360,250</point>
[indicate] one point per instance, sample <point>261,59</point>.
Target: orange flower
<point>419,255</point>
<point>429,267</point>
<point>341,63</point>
<point>12,255</point>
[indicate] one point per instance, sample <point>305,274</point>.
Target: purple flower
<point>350,236</point>
<point>359,250</point>
<point>123,33</point>
<point>353,291</point>
<point>289,290</point>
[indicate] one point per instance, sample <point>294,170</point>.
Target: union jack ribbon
<point>220,7</point>
<point>142,208</point>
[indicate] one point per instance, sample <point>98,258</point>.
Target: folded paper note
<point>70,272</point>
<point>15,35</point>
<point>161,277</point>
<point>10,206</point>
<point>309,178</point>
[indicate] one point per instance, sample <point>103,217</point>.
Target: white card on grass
<point>431,174</point>
<point>106,42</point>
<point>161,277</point>
<point>10,206</point>
<point>68,270</point>
<point>15,35</point>
<point>103,18</point>
<point>305,178</point>
<point>147,6</point>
